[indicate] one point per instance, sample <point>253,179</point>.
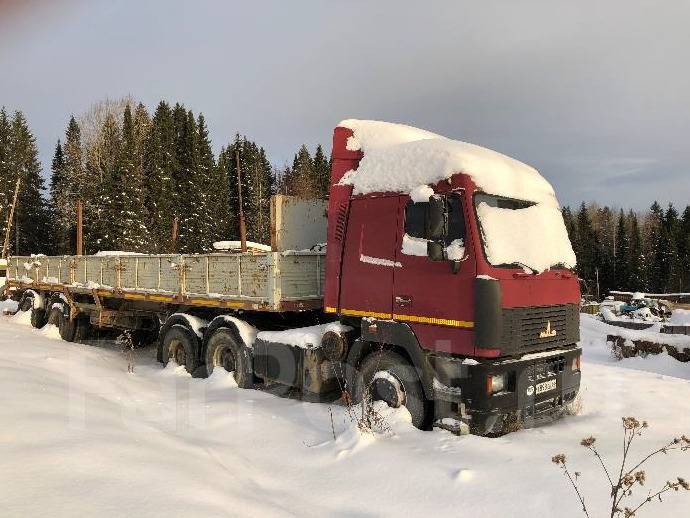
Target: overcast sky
<point>594,94</point>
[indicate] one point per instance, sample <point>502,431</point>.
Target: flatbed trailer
<point>408,304</point>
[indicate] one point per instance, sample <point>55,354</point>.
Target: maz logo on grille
<point>548,332</point>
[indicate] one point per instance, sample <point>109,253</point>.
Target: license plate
<point>545,386</point>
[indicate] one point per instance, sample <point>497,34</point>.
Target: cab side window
<point>456,220</point>
<point>415,219</point>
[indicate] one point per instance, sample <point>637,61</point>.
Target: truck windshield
<point>517,233</point>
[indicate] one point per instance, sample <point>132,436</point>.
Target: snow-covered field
<point>79,436</point>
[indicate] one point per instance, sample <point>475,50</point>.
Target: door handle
<point>403,300</point>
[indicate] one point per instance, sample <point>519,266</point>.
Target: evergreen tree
<point>6,175</point>
<point>77,186</point>
<point>636,257</point>
<point>59,201</point>
<point>257,187</point>
<point>31,230</point>
<point>622,256</point>
<point>108,224</point>
<point>667,253</point>
<point>300,179</point>
<point>322,173</point>
<point>652,251</point>
<point>129,191</point>
<point>684,249</point>
<point>160,164</point>
<point>584,246</point>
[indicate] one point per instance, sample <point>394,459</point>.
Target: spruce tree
<point>31,231</point>
<point>584,246</point>
<point>78,186</point>
<point>622,257</point>
<point>684,250</point>
<point>6,175</point>
<point>636,255</point>
<point>160,165</point>
<point>108,221</point>
<point>322,173</point>
<point>129,188</point>
<point>59,203</point>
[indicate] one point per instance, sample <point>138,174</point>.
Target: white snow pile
<point>236,246</point>
<point>401,158</point>
<point>417,246</point>
<point>304,337</point>
<point>113,253</point>
<point>534,236</point>
<point>81,436</point>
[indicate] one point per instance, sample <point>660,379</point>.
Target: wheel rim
<point>178,353</point>
<point>387,388</point>
<point>223,357</point>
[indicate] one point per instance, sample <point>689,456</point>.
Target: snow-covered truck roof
<point>400,158</point>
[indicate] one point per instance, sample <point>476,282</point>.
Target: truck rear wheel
<point>180,345</point>
<point>387,376</point>
<point>224,351</point>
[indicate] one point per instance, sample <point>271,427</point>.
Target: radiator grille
<point>539,327</point>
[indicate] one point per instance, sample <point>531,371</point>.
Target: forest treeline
<point>630,251</point>
<point>136,173</point>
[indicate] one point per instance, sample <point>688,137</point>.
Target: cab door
<point>435,298</point>
<point>369,257</point>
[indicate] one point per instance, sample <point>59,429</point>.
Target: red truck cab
<point>494,346</point>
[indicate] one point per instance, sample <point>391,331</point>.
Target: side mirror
<point>436,219</point>
<point>435,250</point>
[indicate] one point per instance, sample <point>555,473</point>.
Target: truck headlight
<point>495,383</point>
<point>576,363</point>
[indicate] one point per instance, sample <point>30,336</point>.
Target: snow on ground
<point>81,436</point>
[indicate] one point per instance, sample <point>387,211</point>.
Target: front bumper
<point>538,389</point>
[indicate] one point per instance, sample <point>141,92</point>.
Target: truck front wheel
<point>387,376</point>
<point>224,352</point>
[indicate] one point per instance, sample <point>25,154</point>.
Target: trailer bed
<point>270,281</point>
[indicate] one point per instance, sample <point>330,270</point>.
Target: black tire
<point>27,302</point>
<point>405,375</point>
<point>224,350</point>
<point>67,327</point>
<point>54,316</point>
<point>83,330</point>
<point>39,317</point>
<point>181,345</point>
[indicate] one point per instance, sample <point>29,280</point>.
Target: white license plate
<point>546,386</point>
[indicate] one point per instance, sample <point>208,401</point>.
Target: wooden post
<point>80,228</point>
<point>10,218</point>
<point>243,227</point>
<point>175,225</point>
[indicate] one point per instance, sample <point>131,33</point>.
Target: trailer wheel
<point>387,376</point>
<point>55,315</point>
<point>39,317</point>
<point>224,351</point>
<point>83,329</point>
<point>180,345</point>
<point>26,303</point>
<point>67,327</point>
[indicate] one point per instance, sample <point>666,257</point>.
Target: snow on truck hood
<point>399,158</point>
